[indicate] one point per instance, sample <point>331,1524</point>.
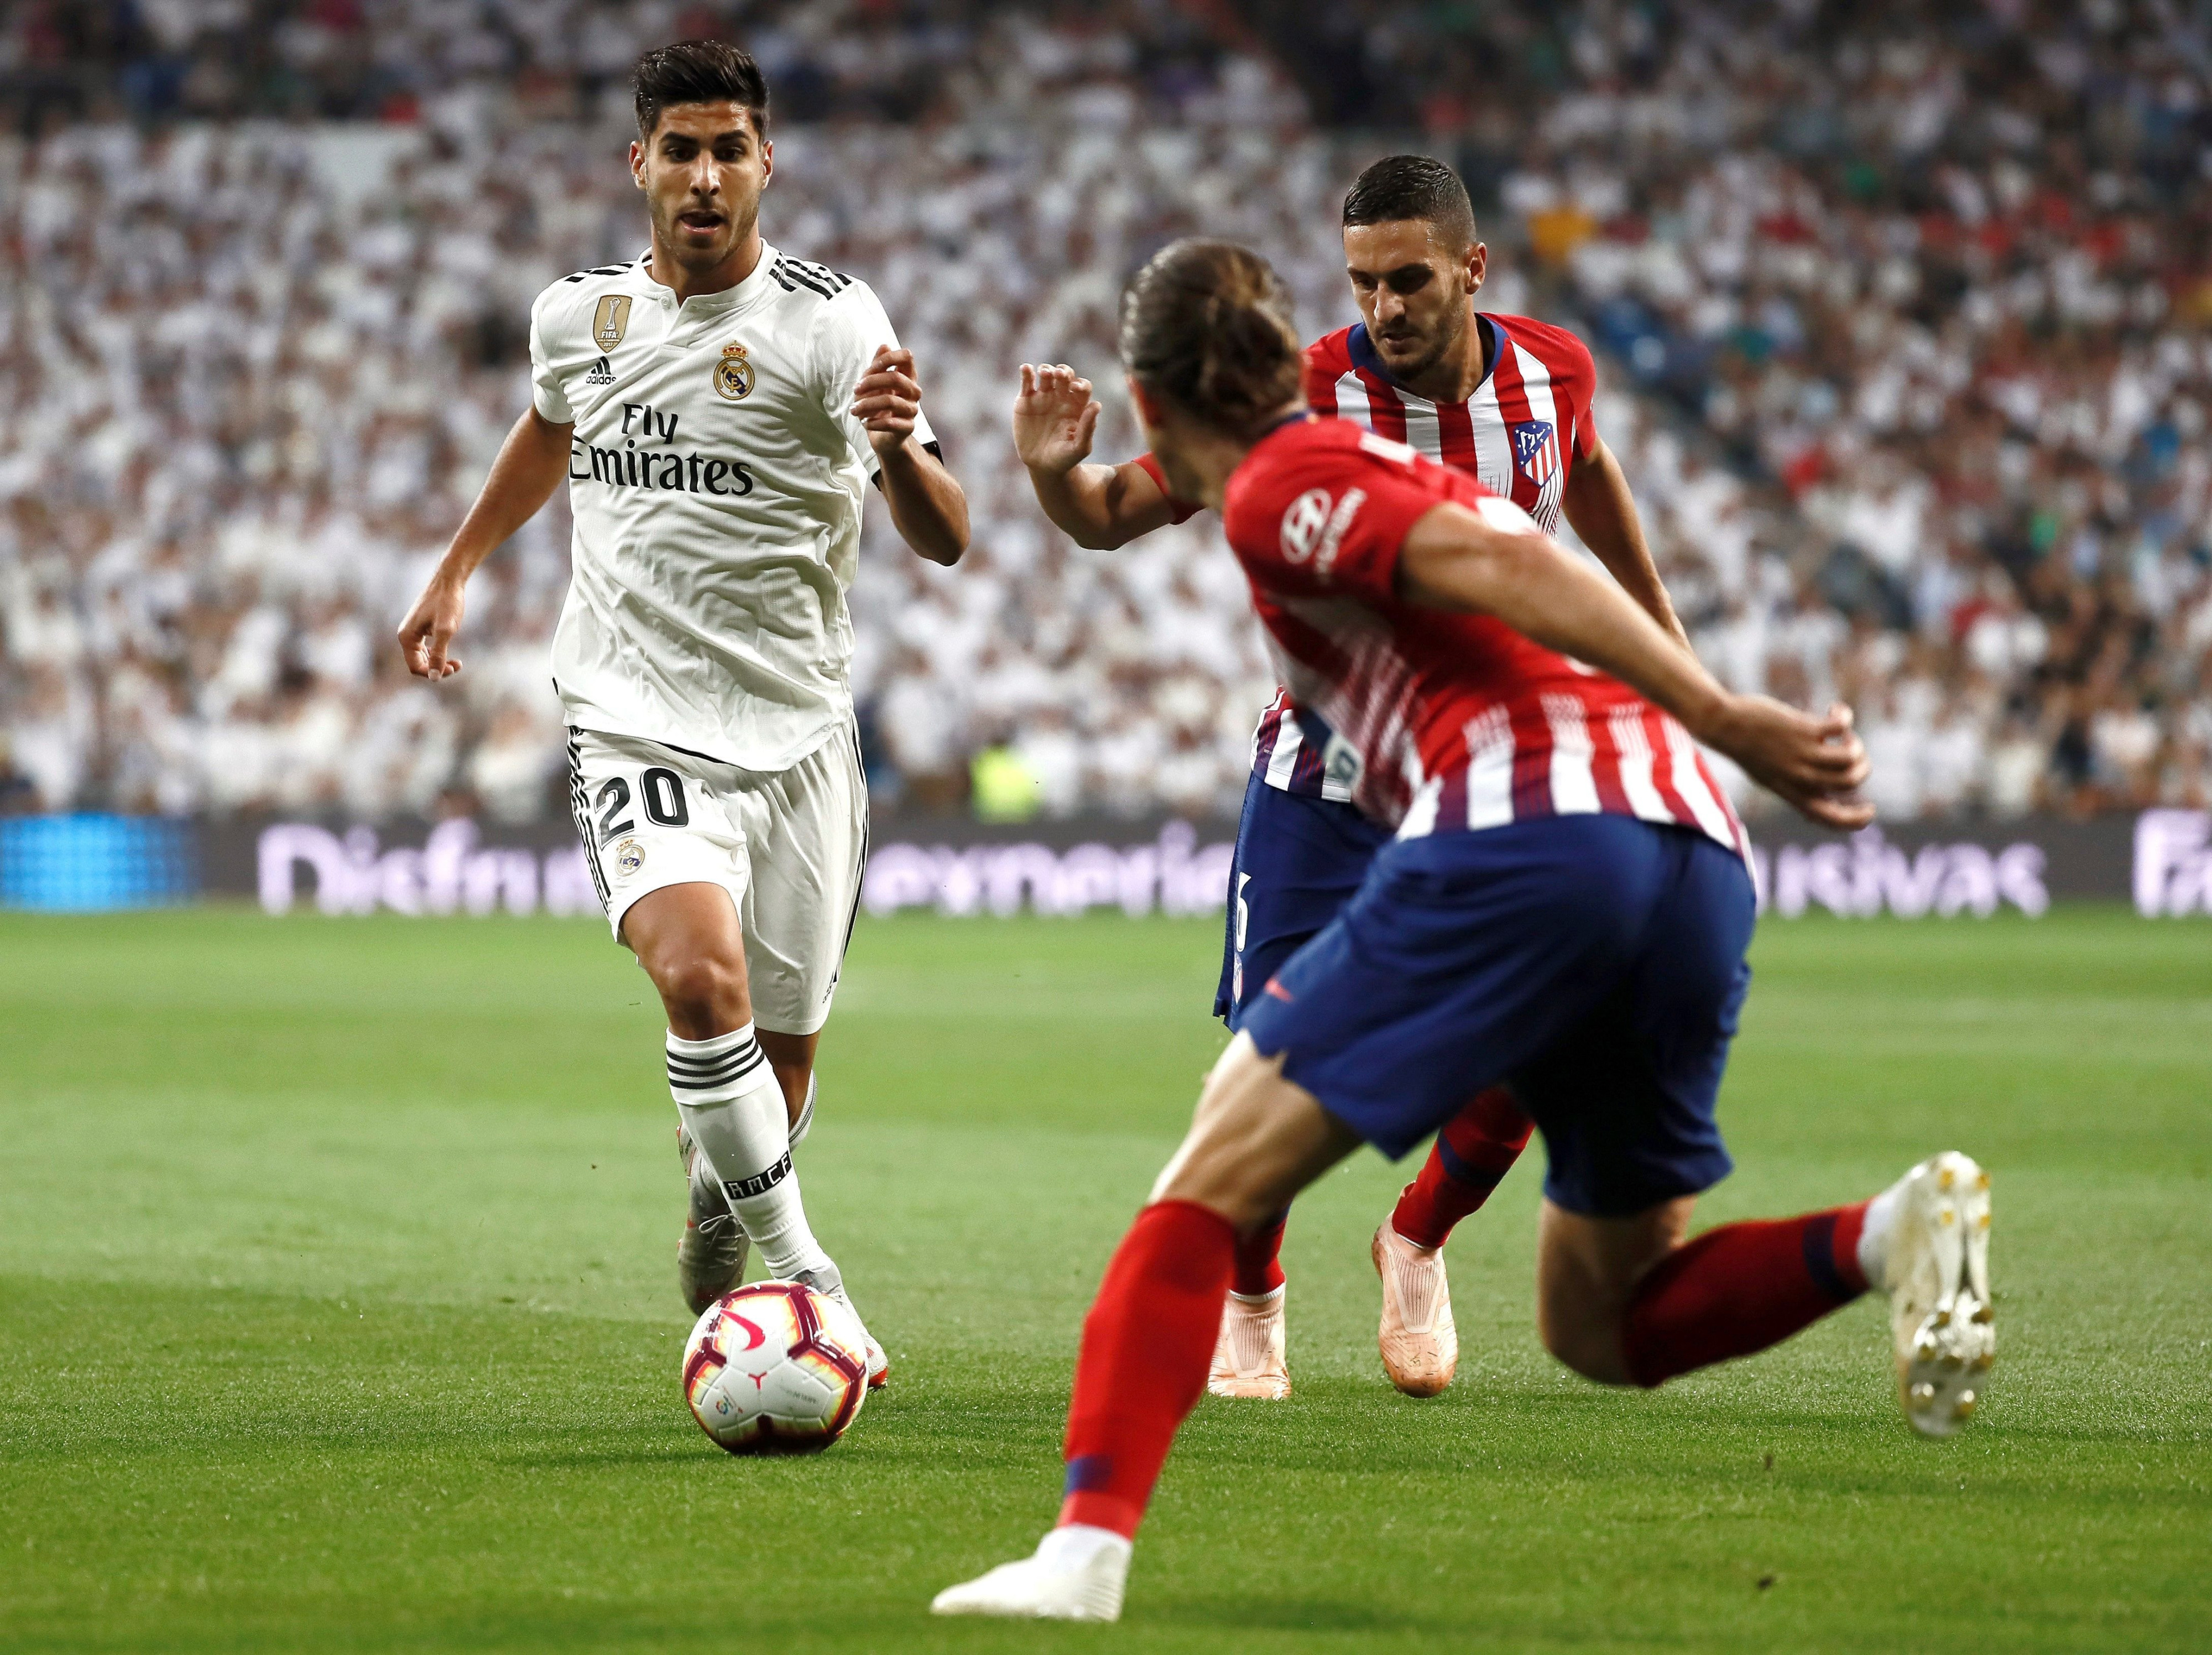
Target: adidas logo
<point>602,373</point>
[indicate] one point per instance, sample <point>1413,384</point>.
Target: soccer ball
<point>775,1368</point>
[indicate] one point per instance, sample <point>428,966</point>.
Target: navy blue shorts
<point>1594,964</point>
<point>1299,860</point>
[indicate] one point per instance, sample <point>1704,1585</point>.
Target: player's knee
<point>1245,1201</point>
<point>704,994</point>
<point>1583,1338</point>
<point>1224,1172</point>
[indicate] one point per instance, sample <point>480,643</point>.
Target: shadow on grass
<point>1294,1615</point>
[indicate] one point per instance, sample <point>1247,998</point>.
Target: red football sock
<point>1258,1259</point>
<point>1740,1288</point>
<point>1476,1148</point>
<point>1145,1347</point>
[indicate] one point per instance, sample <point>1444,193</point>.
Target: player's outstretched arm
<point>532,463</point>
<point>1097,507</point>
<point>928,506</point>
<point>1494,560</point>
<point>1598,503</point>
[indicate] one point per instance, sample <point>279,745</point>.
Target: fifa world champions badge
<point>610,321</point>
<point>734,374</point>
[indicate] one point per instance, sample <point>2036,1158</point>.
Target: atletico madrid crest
<point>1536,450</point>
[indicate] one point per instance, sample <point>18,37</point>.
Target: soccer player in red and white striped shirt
<point>1556,907</point>
<point>1503,399</point>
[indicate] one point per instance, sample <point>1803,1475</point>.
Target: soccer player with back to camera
<point>719,410</point>
<point>1552,911</point>
<point>1506,400</point>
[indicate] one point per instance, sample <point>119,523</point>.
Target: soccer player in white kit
<point>719,410</point>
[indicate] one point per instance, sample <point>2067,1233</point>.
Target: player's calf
<point>1742,1287</point>
<point>1473,1151</point>
<point>1738,1289</point>
<point>1257,1141</point>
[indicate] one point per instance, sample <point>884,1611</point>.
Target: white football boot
<point>710,1260</point>
<point>831,1286</point>
<point>879,1362</point>
<point>1417,1338</point>
<point>1248,1353</point>
<point>1076,1573</point>
<point>1934,1261</point>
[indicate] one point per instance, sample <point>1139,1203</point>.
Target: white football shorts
<point>788,847</point>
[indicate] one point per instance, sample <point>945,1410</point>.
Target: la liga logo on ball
<point>775,1368</point>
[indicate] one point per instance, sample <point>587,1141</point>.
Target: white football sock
<point>1874,1235</point>
<point>731,1100</point>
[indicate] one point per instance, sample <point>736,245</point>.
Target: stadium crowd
<point>1939,278</point>
<point>1907,364</point>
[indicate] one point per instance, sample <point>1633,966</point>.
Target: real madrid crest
<point>610,320</point>
<point>734,374</point>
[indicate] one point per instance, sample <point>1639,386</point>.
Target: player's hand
<point>1055,416</point>
<point>429,628</point>
<point>1815,764</point>
<point>888,399</point>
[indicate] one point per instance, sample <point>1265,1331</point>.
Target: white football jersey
<point>716,480</point>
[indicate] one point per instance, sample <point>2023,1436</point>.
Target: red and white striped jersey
<point>1440,722</point>
<point>1517,434</point>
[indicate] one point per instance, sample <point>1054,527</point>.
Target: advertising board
<point>2160,861</point>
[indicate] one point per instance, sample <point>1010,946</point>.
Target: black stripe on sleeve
<point>811,282</point>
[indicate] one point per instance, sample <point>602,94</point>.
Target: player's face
<point>1413,291</point>
<point>702,174</point>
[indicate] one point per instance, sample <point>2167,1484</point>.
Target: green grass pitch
<point>337,1312</point>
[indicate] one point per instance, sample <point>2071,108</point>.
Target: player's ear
<point>1150,409</point>
<point>768,161</point>
<point>637,163</point>
<point>1478,266</point>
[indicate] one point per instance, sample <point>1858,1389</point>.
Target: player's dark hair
<point>1413,186</point>
<point>698,71</point>
<point>1207,325</point>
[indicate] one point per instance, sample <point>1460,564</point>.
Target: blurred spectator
<point>1000,785</point>
<point>1937,277</point>
<point>1902,315</point>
